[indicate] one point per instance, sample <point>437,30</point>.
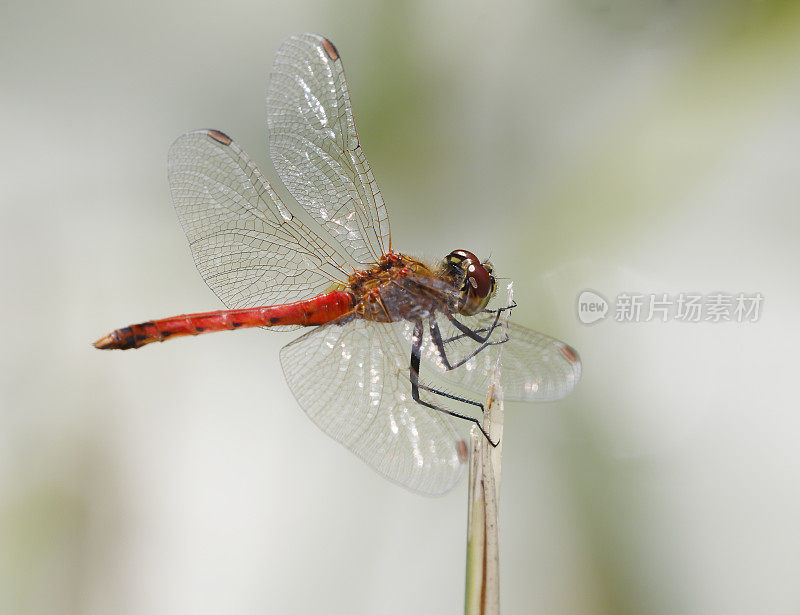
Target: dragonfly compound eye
<point>479,284</point>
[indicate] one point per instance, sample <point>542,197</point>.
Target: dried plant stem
<point>483,556</point>
<point>483,574</point>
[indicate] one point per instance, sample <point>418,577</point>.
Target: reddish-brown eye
<point>478,283</point>
<point>465,255</point>
<point>479,279</point>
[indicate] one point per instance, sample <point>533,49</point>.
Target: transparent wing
<point>353,381</point>
<point>246,244</point>
<point>535,366</point>
<point>315,148</point>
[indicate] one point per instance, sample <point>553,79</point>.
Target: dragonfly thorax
<point>400,287</point>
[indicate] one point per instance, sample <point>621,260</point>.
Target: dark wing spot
<point>236,325</point>
<point>330,49</point>
<point>570,353</point>
<point>199,329</point>
<point>166,334</point>
<point>220,137</point>
<point>273,319</point>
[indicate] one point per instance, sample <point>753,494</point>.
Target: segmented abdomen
<point>316,311</point>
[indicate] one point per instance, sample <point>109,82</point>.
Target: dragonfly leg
<point>461,336</point>
<point>416,385</point>
<point>474,333</point>
<point>436,336</point>
<point>510,306</point>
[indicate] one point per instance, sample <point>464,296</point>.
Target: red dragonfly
<point>388,330</point>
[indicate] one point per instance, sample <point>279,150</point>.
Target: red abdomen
<point>316,311</point>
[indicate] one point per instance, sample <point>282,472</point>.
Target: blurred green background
<point>613,145</point>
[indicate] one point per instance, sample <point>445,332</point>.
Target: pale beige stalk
<point>483,556</point>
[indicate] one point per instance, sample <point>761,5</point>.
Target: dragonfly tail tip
<point>107,342</point>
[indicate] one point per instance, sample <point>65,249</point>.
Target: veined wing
<point>534,366</point>
<point>315,147</point>
<point>352,380</point>
<point>246,244</point>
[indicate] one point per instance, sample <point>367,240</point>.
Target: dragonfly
<point>397,347</point>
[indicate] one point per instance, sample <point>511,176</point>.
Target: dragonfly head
<point>477,284</point>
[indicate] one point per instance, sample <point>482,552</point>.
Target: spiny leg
<point>416,386</point>
<point>510,306</point>
<point>461,336</point>
<point>473,333</point>
<point>436,336</point>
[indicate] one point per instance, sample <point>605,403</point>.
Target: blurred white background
<point>614,145</point>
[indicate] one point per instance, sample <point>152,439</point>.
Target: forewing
<point>315,148</point>
<point>247,246</point>
<point>353,381</point>
<point>534,366</point>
